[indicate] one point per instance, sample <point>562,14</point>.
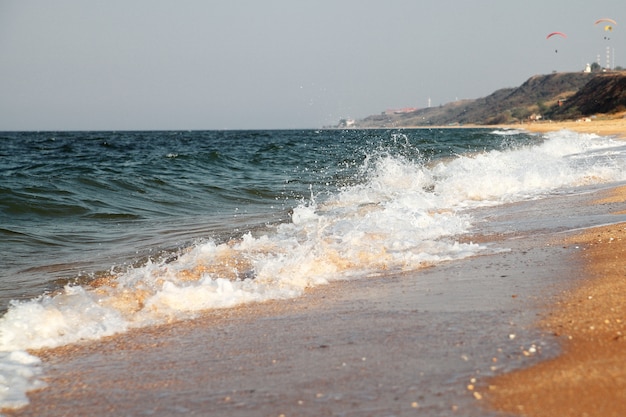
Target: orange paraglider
<point>561,34</point>
<point>555,34</point>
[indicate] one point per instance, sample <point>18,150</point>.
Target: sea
<point>104,232</point>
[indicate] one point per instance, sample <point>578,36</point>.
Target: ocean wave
<point>399,212</point>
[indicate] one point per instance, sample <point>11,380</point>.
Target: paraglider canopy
<point>556,34</point>
<point>605,20</point>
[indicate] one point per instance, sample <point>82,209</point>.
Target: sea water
<point>101,232</point>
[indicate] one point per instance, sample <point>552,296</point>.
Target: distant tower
<point>608,57</point>
<point>428,101</point>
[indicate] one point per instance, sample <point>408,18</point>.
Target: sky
<point>278,64</point>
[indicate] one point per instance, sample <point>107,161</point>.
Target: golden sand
<point>615,126</point>
<point>589,378</point>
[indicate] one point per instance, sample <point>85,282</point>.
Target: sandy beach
<point>589,378</point>
<point>615,126</point>
<point>537,330</point>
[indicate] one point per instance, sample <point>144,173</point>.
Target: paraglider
<point>608,27</point>
<point>605,20</point>
<point>561,34</point>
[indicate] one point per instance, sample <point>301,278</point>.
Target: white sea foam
<point>18,373</point>
<point>403,217</point>
<point>508,132</point>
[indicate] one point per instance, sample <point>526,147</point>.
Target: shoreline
<point>361,347</point>
<point>396,344</point>
<point>589,376</point>
<point>603,127</point>
<point>615,126</point>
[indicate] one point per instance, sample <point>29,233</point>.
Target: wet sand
<point>399,344</point>
<point>589,378</point>
<point>421,343</point>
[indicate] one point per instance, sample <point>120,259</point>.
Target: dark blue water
<point>73,204</point>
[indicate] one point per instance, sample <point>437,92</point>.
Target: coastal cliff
<point>557,96</point>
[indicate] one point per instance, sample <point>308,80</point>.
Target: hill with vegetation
<point>557,96</point>
<point>603,94</point>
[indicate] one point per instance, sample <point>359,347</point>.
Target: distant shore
<point>613,126</point>
<point>589,378</point>
<point>603,127</point>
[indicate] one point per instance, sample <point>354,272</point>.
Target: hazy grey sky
<point>263,64</point>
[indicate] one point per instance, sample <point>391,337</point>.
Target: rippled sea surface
<point>73,204</point>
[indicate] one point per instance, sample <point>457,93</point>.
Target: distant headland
<point>556,97</point>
